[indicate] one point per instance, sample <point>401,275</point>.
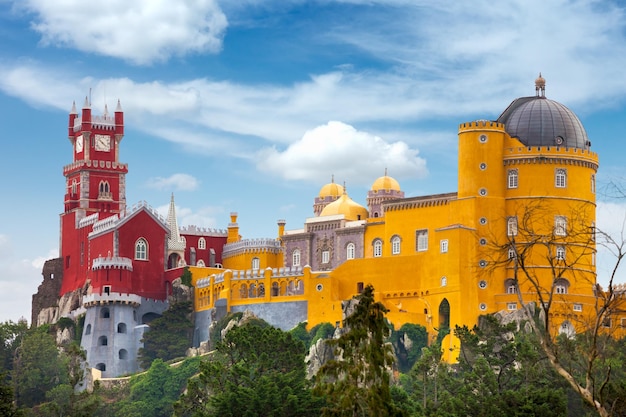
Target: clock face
<point>79,143</point>
<point>103,143</point>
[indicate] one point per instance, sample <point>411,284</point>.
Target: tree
<point>356,382</point>
<point>541,252</point>
<point>257,370</point>
<point>38,367</point>
<point>7,399</point>
<point>169,336</point>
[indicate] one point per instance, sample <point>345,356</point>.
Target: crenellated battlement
<point>480,125</point>
<point>549,150</point>
<point>87,221</point>
<point>252,245</point>
<point>112,262</point>
<point>250,274</point>
<point>91,300</point>
<point>112,221</point>
<point>102,122</point>
<point>202,231</point>
<point>88,163</point>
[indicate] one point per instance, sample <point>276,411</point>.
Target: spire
<point>73,111</point>
<point>540,86</point>
<point>174,242</point>
<point>119,106</point>
<point>86,104</point>
<point>106,111</point>
<point>385,171</point>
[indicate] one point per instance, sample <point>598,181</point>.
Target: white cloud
<point>338,148</point>
<point>138,31</point>
<point>175,182</point>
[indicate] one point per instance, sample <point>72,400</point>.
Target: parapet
<point>481,125</point>
<point>117,262</point>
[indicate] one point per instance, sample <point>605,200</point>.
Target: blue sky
<point>251,106</point>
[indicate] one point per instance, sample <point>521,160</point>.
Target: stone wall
<point>47,298</point>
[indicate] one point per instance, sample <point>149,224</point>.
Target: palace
<point>520,227</point>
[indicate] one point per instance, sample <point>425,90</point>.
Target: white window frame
<point>511,306</point>
<point>443,245</point>
<point>296,257</point>
<point>202,243</point>
<point>593,183</point>
<point>578,307</point>
<point>511,226</point>
<point>512,253</point>
<point>512,178</point>
<point>350,251</point>
<point>395,245</point>
<point>560,178</point>
<point>421,240</point>
<point>256,263</point>
<point>560,253</point>
<point>141,249</point>
<point>325,256</point>
<point>560,226</point>
<point>378,248</point>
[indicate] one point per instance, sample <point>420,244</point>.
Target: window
<point>378,248</point>
<point>560,226</point>
<point>103,341</point>
<point>101,367</point>
<point>560,253</point>
<point>395,245</point>
<point>121,328</point>
<point>593,231</point>
<point>482,284</point>
<point>295,257</point>
<point>350,251</point>
<point>510,287</point>
<point>512,253</point>
<point>88,329</point>
<point>444,281</point>
<point>593,183</point>
<point>421,236</point>
<point>123,354</point>
<point>512,178</point>
<point>511,226</point>
<point>511,306</point>
<point>202,243</point>
<point>325,256</point>
<point>606,322</point>
<point>578,307</point>
<point>561,286</point>
<point>560,178</point>
<point>443,245</point>
<point>201,263</point>
<point>623,321</point>
<point>256,263</point>
<point>141,249</point>
<point>104,313</point>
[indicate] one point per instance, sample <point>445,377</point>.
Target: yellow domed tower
<point>345,206</point>
<point>530,180</point>
<point>328,193</point>
<point>385,188</point>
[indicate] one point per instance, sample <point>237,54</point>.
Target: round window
<point>482,306</point>
<point>482,191</point>
<point>482,241</point>
<point>482,263</point>
<point>483,166</point>
<point>319,287</point>
<point>483,138</point>
<point>482,284</point>
<point>483,220</point>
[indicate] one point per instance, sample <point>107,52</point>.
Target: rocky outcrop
<point>180,292</point>
<point>319,353</point>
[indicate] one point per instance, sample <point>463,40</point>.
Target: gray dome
<point>538,121</point>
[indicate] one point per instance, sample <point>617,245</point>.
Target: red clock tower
<point>95,186</point>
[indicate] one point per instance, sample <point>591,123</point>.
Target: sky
<point>251,106</point>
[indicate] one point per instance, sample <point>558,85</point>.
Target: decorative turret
<point>328,193</point>
<point>385,188</point>
<point>174,242</point>
<point>233,229</point>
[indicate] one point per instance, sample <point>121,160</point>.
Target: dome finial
<point>345,191</point>
<point>540,86</point>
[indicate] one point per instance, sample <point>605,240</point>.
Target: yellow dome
<point>346,206</point>
<point>386,183</point>
<point>331,190</point>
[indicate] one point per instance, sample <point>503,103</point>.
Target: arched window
<point>444,313</point>
<point>252,291</point>
<point>101,367</point>
<point>243,291</point>
<point>202,243</point>
<point>350,251</point>
<point>256,263</point>
<point>512,178</point>
<point>567,329</point>
<point>561,286</point>
<point>395,245</point>
<point>123,354</point>
<point>512,252</point>
<point>261,291</point>
<point>510,287</point>
<point>444,281</point>
<point>141,249</point>
<point>560,178</point>
<point>560,226</point>
<point>103,341</point>
<point>295,257</point>
<point>88,329</point>
<point>275,289</point>
<point>560,253</point>
<point>201,263</point>
<point>378,248</point>
<point>74,186</point>
<point>121,328</point>
<point>104,313</point>
<point>511,226</point>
